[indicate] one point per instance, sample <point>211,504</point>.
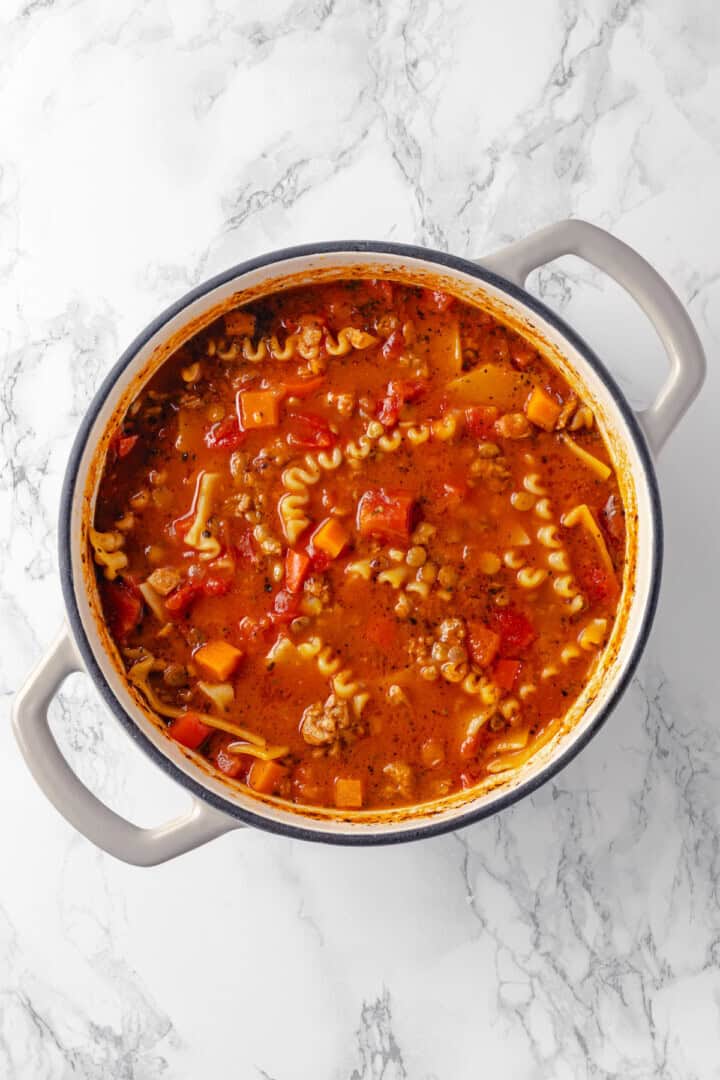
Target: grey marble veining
<point>145,147</point>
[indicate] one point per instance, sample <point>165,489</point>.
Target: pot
<point>497,282</point>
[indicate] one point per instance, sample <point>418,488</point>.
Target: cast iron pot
<point>497,282</point>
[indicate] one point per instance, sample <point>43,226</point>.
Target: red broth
<point>359,545</point>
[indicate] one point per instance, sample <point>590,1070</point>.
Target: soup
<point>359,545</point>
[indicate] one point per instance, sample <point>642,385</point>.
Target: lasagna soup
<point>359,545</point>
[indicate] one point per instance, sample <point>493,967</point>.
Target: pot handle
<point>670,319</point>
<point>76,803</point>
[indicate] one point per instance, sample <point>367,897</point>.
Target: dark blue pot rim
<point>429,827</point>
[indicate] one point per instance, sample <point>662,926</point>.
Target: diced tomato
<point>399,392</point>
<point>386,514</point>
<point>215,586</point>
<point>286,606</point>
<point>453,490</point>
<point>506,672</point>
<point>383,289</point>
<point>233,765</point>
<point>480,420</point>
<point>483,644</point>
<point>319,560</point>
<point>182,525</point>
<point>189,730</point>
<point>301,388</point>
<point>297,564</point>
<point>306,430</point>
<point>125,443</point>
<point>394,346</point>
<point>438,299</point>
<point>123,607</point>
<point>598,583</point>
<point>246,549</point>
<point>181,599</point>
<point>522,353</point>
<point>612,519</point>
<point>255,634</point>
<point>227,435</point>
<point>381,630</point>
<point>515,630</point>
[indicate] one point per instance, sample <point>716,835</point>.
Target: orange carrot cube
<point>348,793</point>
<point>330,537</point>
<point>264,776</point>
<point>542,409</point>
<point>259,408</point>
<point>217,660</point>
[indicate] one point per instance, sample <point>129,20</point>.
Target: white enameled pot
<point>497,283</point>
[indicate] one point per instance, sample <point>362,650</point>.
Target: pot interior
<point>505,302</point>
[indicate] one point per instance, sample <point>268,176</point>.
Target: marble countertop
<point>144,147</point>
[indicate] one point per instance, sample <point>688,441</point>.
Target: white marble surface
<point>144,147</point>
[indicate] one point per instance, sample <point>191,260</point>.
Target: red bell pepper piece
<point>189,730</point>
<point>297,564</point>
<point>385,514</point>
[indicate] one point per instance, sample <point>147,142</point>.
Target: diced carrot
<point>484,644</point>
<point>542,409</point>
<point>385,514</point>
<point>348,793</point>
<point>432,753</point>
<point>189,730</point>
<point>331,537</point>
<point>259,408</point>
<point>505,673</point>
<point>381,630</point>
<point>264,776</point>
<point>217,660</point>
<point>239,324</point>
<point>297,564</point>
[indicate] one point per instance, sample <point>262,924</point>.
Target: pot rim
<point>473,812</point>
